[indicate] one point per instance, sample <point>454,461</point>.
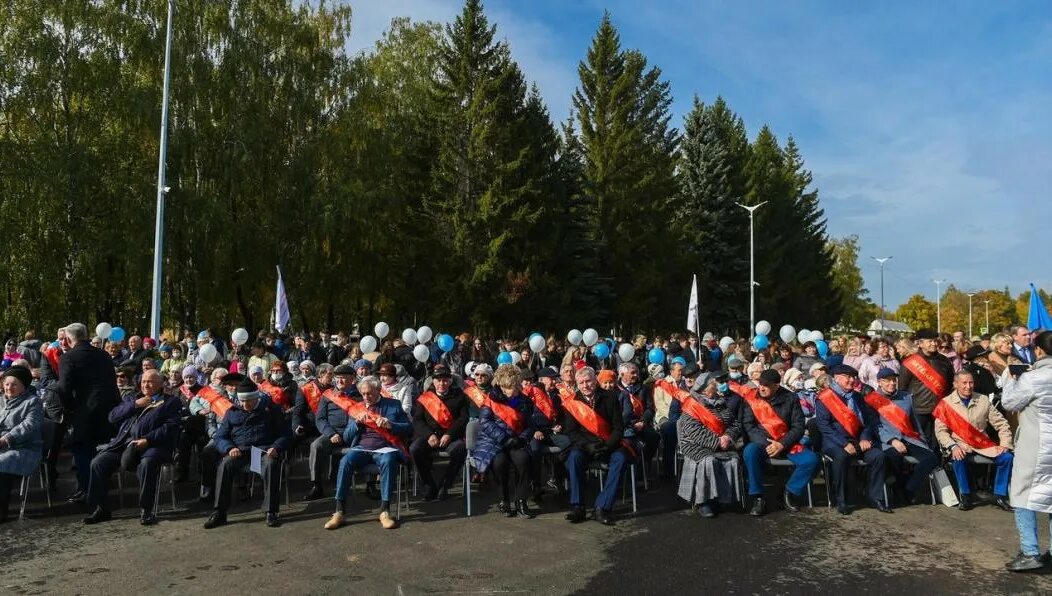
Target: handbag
<point>944,488</point>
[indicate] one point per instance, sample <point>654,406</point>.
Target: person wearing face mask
<point>176,359</point>
<point>195,430</point>
<point>280,386</point>
<point>735,372</point>
<point>211,404</point>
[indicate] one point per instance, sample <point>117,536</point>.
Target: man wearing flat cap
<point>926,375</point>
<point>253,422</point>
<point>900,435</point>
<point>331,420</point>
<point>850,432</point>
<point>440,417</point>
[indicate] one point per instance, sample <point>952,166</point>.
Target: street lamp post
<point>162,188</point>
<point>987,315</point>
<point>970,315</point>
<point>938,304</point>
<point>881,260</point>
<point>752,267</point>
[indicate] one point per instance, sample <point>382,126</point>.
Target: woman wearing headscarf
<point>708,430</point>
<point>21,431</point>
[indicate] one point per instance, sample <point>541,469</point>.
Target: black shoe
<point>759,507</point>
<point>432,492</point>
<point>98,516</point>
<point>1025,563</point>
<point>443,493</point>
<point>523,510</point>
<point>1046,558</point>
<point>371,491</point>
<point>78,497</point>
<point>706,511</point>
<point>272,520</point>
<point>1003,503</point>
<point>506,509</point>
<point>148,519</point>
<point>843,509</point>
<point>603,516</point>
<point>882,507</point>
<point>315,492</point>
<point>576,514</point>
<point>965,502</point>
<point>218,518</point>
<point>789,502</point>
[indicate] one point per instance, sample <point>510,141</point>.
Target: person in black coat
<point>87,387</point>
<point>586,446</point>
<point>149,425</point>
<point>443,434</point>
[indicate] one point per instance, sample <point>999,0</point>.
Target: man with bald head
<point>148,424</point>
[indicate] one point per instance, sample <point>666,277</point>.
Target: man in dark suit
<point>850,431</point>
<point>149,425</point>
<point>87,387</point>
<point>440,417</point>
<point>1021,347</point>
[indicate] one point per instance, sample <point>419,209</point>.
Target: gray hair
<point>586,371</point>
<point>325,368</point>
<point>77,332</point>
<point>370,381</point>
<point>627,367</point>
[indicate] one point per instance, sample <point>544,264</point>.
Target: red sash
<point>277,394</point>
<point>565,392</point>
<point>893,414</point>
<point>312,391</point>
<point>960,426</point>
<point>593,423</point>
<point>52,355</point>
<point>515,420</point>
<point>637,406</point>
<point>925,373</point>
<point>438,410</point>
<point>841,412</point>
<point>185,390</point>
<point>353,408</point>
<point>735,386</point>
<point>217,402</point>
<point>769,419</point>
<point>542,402</point>
<point>695,409</point>
<point>477,396</point>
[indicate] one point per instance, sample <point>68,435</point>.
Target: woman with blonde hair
<point>1001,353</point>
<point>505,430</point>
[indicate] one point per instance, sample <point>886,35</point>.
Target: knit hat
<point>363,363</point>
<point>606,376</point>
<point>246,389</point>
<point>21,373</point>
<point>190,371</point>
<point>656,371</point>
<point>770,377</point>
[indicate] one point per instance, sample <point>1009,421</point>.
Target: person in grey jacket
<point>21,431</point>
<point>1030,492</point>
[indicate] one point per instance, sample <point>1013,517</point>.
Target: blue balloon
<point>823,348</point>
<point>117,334</point>
<point>504,358</point>
<point>445,342</point>
<point>601,350</point>
<point>760,342</point>
<point>656,356</point>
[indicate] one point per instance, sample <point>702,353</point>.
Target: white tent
<point>879,326</point>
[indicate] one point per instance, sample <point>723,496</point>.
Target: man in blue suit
<point>1021,347</point>
<point>376,434</point>
<point>148,426</point>
<point>850,431</point>
<point>901,436</point>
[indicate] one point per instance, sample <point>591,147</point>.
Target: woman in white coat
<point>1030,394</point>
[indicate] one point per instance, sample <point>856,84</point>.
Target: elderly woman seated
<point>708,431</point>
<point>21,431</point>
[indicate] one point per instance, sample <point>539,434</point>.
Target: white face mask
<point>278,377</point>
<point>177,355</point>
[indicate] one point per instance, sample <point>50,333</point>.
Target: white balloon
<point>516,357</point>
<point>239,336</point>
<point>590,336</point>
<point>725,342</point>
<point>367,344</point>
<point>626,352</point>
<point>409,336</point>
<point>803,336</point>
<point>817,336</point>
<point>103,330</point>
<point>763,328</point>
<point>424,334</point>
<point>208,353</point>
<point>574,337</point>
<point>381,330</point>
<point>421,353</point>
<point>787,333</point>
<point>536,343</point>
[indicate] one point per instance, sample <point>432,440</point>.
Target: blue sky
<point>926,124</point>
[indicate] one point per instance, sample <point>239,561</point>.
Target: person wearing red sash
<point>479,388</point>
<point>505,429</point>
<point>195,431</point>
<point>592,420</point>
<point>331,420</point>
<point>708,431</point>
<point>961,423</point>
<point>637,410</point>
<point>308,398</point>
<point>774,426</point>
<point>900,435</point>
<point>850,432</point>
<point>280,386</point>
<point>440,417</point>
<point>547,416</point>
<point>927,377</point>
<point>376,434</point>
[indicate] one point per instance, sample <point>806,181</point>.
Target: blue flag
<point>1038,317</point>
<point>281,306</point>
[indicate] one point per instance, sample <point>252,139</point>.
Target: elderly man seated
<point>961,422</point>
<point>376,434</point>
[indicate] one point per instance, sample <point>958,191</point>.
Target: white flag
<point>692,308</point>
<point>281,305</point>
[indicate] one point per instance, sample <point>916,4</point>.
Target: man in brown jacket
<point>961,422</point>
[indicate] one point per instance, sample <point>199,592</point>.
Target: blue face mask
<point>736,375</point>
<point>723,387</point>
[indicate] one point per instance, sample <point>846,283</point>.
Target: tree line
<point>422,180</point>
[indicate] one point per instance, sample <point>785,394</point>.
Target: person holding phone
<point>1030,394</point>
